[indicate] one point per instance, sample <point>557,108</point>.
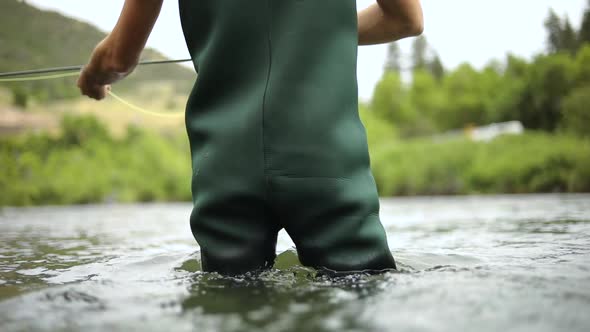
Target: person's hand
<point>118,54</point>
<point>90,86</point>
<point>96,78</point>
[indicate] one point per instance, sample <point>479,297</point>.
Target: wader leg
<point>334,222</point>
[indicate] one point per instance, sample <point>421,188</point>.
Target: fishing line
<point>33,75</point>
<point>143,110</point>
<point>38,78</point>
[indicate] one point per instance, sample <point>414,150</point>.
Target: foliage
<point>561,36</point>
<point>584,32</point>
<point>20,97</point>
<point>532,93</point>
<point>392,62</point>
<point>582,64</point>
<point>551,92</point>
<point>535,162</point>
<point>379,131</point>
<point>427,100</point>
<point>576,111</point>
<point>85,164</point>
<point>550,78</point>
<point>419,53</point>
<point>389,97</point>
<point>436,67</point>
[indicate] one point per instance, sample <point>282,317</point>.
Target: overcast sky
<point>474,31</point>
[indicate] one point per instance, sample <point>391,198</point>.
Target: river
<point>476,263</point>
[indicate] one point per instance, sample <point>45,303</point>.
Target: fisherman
<point>275,136</point>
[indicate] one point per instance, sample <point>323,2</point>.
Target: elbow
<point>406,20</point>
<point>405,29</point>
<point>415,27</point>
<point>412,26</point>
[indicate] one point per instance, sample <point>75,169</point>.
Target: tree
<point>390,100</point>
<point>569,39</point>
<point>508,91</point>
<point>553,26</point>
<point>472,97</point>
<point>584,33</point>
<point>436,68</point>
<point>419,53</point>
<point>576,114</point>
<point>550,79</point>
<point>392,62</point>
<point>379,131</point>
<point>465,105</point>
<point>423,58</point>
<point>583,66</point>
<point>428,100</point>
<point>515,66</point>
<point>561,36</point>
<point>20,97</point>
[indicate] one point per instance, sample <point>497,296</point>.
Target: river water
<point>492,263</point>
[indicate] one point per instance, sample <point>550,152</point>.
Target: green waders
<point>275,136</point>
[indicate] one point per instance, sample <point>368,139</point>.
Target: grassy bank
<point>85,163</point>
<point>530,163</point>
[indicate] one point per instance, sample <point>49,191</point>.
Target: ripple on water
<point>485,264</point>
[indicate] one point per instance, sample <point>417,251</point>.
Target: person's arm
<point>117,55</point>
<point>390,20</point>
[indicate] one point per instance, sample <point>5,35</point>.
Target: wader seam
<point>264,148</point>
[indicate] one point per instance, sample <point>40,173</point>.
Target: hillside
<point>34,38</point>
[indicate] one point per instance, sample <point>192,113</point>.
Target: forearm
<point>390,20</point>
<point>127,40</point>
<point>117,55</point>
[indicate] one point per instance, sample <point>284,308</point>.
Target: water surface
<point>510,263</point>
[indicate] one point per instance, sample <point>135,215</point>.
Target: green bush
<point>20,97</point>
<point>85,164</point>
<point>576,112</point>
<point>530,163</point>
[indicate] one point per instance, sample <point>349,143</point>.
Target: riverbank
<point>86,163</point>
<point>512,164</point>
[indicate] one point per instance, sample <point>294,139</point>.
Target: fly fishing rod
<point>67,69</point>
<point>59,72</point>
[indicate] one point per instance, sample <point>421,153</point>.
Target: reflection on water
<point>29,260</point>
<point>466,263</point>
<point>278,300</point>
